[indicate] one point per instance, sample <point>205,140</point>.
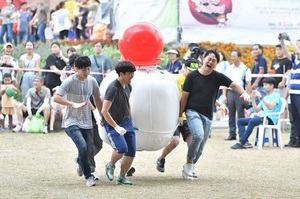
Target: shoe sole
<point>186,176</point>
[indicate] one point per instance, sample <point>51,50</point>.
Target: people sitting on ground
<point>268,104</point>
<point>37,102</point>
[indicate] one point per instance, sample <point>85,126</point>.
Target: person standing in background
<point>7,21</point>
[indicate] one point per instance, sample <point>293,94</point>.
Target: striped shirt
<point>295,76</point>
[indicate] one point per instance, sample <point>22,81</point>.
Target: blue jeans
<point>293,134</point>
<point>41,32</point>
<point>27,83</point>
<point>6,28</point>
<point>200,127</point>
<point>83,139</point>
<point>250,123</point>
<point>23,37</point>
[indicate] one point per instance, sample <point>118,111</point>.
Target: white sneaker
<point>95,176</point>
<point>90,181</point>
<point>17,128</point>
<point>46,129</point>
<point>187,172</point>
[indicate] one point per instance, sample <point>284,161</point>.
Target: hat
<point>173,51</point>
<point>269,80</point>
<point>6,45</point>
<point>192,64</point>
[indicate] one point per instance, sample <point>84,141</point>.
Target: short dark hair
<point>55,43</point>
<point>269,80</point>
<point>72,59</point>
<point>98,42</point>
<point>124,66</point>
<point>82,62</point>
<point>72,49</point>
<point>7,75</point>
<point>278,46</point>
<point>260,47</point>
<point>213,52</point>
<point>224,57</point>
<point>239,54</point>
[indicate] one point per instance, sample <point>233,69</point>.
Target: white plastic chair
<point>263,128</point>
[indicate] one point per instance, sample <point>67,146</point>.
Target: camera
<point>196,51</point>
<point>284,36</point>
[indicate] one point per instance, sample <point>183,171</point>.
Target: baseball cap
<point>6,45</point>
<point>173,51</point>
<point>192,64</point>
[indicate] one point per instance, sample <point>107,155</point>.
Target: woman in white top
<point>30,64</point>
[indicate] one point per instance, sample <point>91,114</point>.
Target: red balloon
<point>141,44</point>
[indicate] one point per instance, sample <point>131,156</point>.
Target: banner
<point>239,21</point>
<point>161,13</point>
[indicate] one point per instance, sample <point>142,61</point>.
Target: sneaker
<point>95,176</point>
<point>195,175</point>
<point>79,169</point>
<point>90,181</point>
<point>160,165</point>
<point>17,128</point>
<point>237,146</point>
<point>1,129</point>
<point>187,172</point>
<point>248,145</point>
<point>122,180</point>
<point>130,172</point>
<point>46,129</point>
<point>109,171</point>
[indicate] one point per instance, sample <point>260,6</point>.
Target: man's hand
<point>180,121</point>
<point>120,130</point>
<point>245,97</point>
<point>79,105</point>
<point>224,108</point>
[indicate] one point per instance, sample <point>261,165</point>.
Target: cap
<point>172,51</point>
<point>6,45</point>
<point>192,64</point>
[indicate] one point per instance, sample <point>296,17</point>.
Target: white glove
<point>120,130</point>
<point>224,108</point>
<point>97,116</point>
<point>79,105</point>
<point>245,97</point>
<point>180,121</point>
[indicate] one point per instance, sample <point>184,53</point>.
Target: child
<point>5,63</point>
<point>7,100</point>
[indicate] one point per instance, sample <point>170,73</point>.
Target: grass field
<point>42,166</point>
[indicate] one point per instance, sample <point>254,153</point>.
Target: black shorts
<point>33,111</point>
<point>183,130</point>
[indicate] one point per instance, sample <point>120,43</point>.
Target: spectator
<point>23,24</point>
<point>174,66</point>
<point>38,99</point>
<point>29,60</point>
<point>55,62</point>
<point>259,67</point>
<point>239,73</point>
<point>294,85</point>
<point>41,18</point>
<point>268,104</point>
<point>100,63</point>
<point>7,91</point>
<point>7,21</point>
<point>61,20</point>
<point>6,66</point>
<point>81,21</point>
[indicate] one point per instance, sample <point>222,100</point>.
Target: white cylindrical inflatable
<point>154,102</point>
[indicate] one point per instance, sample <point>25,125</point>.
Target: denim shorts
<point>123,144</point>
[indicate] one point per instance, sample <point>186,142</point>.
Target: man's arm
<point>257,80</point>
<point>61,100</point>
<point>46,101</point>
<point>105,113</point>
<point>183,101</point>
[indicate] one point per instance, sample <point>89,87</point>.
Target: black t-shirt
<point>53,79</point>
<point>203,91</point>
<point>119,97</point>
<point>280,66</point>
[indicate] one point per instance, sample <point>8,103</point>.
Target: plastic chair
<point>274,130</point>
